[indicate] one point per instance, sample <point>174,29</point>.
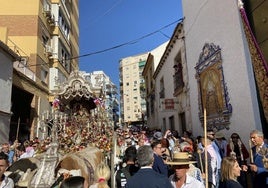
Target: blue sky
<point>107,24</point>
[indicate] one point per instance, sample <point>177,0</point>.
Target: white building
<point>103,87</point>
<point>172,107</point>
<point>218,60</point>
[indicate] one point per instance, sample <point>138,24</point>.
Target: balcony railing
<point>23,69</point>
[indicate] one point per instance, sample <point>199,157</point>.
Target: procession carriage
<point>79,138</point>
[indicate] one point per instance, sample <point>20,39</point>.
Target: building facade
<point>44,33</point>
<point>7,57</point>
<point>172,106</point>
<point>221,77</point>
<point>132,90</point>
<point>152,62</point>
<point>106,91</point>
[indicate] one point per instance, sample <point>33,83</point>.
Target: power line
<point>120,45</point>
<point>129,42</point>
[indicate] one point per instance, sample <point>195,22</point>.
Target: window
<point>44,76</point>
<point>182,121</point>
<point>171,123</point>
<point>178,74</point>
<point>63,25</point>
<point>45,39</point>
<point>162,89</point>
<point>164,124</point>
<point>64,58</point>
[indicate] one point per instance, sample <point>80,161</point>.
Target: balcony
<point>20,66</point>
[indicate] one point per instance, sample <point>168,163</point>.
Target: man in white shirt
<point>5,182</point>
<point>180,178</point>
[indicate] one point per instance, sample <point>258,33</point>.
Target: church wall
<point>219,22</point>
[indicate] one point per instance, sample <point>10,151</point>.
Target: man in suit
<point>146,177</point>
<point>159,165</point>
<point>259,150</point>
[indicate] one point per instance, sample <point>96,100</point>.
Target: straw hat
<point>181,158</point>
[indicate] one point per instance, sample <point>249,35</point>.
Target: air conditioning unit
<point>51,20</point>
<point>24,61</point>
<point>47,10</point>
<point>49,50</point>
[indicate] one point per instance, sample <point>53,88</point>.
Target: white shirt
<point>94,185</point>
<point>190,182</point>
<point>7,183</point>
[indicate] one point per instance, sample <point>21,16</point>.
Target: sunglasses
<point>234,137</point>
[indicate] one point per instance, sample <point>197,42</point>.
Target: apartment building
<point>44,33</point>
<point>106,91</point>
<point>132,90</point>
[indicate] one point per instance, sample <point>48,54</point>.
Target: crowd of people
<point>150,159</point>
<point>154,159</point>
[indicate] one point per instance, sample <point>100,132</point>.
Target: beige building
<point>132,90</point>
<point>44,33</point>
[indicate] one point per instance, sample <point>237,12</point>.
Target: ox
<point>83,162</point>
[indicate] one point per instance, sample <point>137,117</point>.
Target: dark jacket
<point>123,174</point>
<point>261,178</point>
<point>159,165</point>
<point>230,184</point>
<point>148,178</point>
